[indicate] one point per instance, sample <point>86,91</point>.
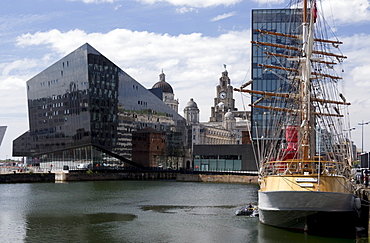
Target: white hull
<point>306,210</point>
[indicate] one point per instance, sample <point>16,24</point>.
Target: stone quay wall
<point>64,176</point>
<point>217,178</point>
<point>27,177</point>
<point>101,176</point>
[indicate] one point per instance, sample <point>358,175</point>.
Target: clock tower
<point>224,100</point>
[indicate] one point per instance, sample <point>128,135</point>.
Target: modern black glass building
<point>274,20</point>
<point>84,108</point>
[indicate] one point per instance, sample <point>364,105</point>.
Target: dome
<point>221,105</point>
<point>191,104</point>
<point>229,114</point>
<point>166,87</point>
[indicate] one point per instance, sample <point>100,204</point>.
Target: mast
<point>305,83</point>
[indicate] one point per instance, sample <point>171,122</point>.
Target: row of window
<point>42,84</point>
<point>140,102</point>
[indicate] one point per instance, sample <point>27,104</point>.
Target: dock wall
<point>99,176</point>
<point>27,177</point>
<point>64,176</point>
<point>217,178</point>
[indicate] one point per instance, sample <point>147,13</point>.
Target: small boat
<point>247,211</point>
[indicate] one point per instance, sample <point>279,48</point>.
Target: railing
<point>23,169</point>
<point>304,168</point>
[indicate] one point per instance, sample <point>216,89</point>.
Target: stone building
<point>223,143</point>
<point>224,100</point>
<point>167,94</point>
<point>226,125</point>
<point>148,145</point>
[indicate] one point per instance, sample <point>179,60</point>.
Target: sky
<point>190,40</point>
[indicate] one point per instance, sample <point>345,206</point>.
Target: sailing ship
<point>303,148</point>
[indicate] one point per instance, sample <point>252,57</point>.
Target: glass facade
<point>85,102</point>
<point>218,163</point>
<point>269,79</point>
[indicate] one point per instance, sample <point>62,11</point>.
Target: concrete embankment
<point>65,176</point>
<point>101,176</point>
<point>27,177</point>
<point>217,178</point>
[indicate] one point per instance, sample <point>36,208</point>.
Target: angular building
<point>2,133</point>
<point>84,109</point>
<point>264,79</point>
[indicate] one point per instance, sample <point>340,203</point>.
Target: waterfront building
<point>84,109</point>
<point>149,147</point>
<point>226,124</point>
<point>224,100</point>
<point>166,92</point>
<point>2,133</point>
<point>224,137</point>
<point>223,158</point>
<point>266,79</point>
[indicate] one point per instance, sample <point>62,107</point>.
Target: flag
<point>314,11</point>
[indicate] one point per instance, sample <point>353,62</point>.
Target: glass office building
<point>84,105</point>
<point>264,79</point>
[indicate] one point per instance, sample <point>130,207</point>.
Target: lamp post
<point>349,130</point>
<point>362,136</point>
<point>349,141</point>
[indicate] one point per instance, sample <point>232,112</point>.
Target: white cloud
<point>356,84</point>
<point>95,1</point>
<point>337,11</point>
<point>193,63</point>
<point>118,7</point>
<point>186,10</point>
<point>18,66</point>
<point>194,3</point>
<point>190,3</point>
<point>223,16</point>
<point>347,11</point>
<point>11,83</point>
<point>269,2</point>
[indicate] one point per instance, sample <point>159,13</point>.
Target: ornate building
<point>168,96</point>
<point>226,125</point>
<point>224,100</point>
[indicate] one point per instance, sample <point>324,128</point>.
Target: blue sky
<point>189,39</point>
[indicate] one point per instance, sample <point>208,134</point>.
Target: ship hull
<point>307,210</point>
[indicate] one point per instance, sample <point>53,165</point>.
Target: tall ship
<point>301,138</point>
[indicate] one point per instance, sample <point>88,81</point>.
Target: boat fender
<point>357,203</point>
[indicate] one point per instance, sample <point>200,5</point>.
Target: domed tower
<point>229,121</point>
<point>168,95</point>
<point>224,98</point>
<point>191,112</point>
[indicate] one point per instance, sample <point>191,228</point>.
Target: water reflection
<point>269,234</point>
<point>185,209</point>
<point>74,228</point>
<point>135,211</point>
<point>14,206</point>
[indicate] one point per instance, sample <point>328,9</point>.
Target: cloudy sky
<point>189,39</point>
